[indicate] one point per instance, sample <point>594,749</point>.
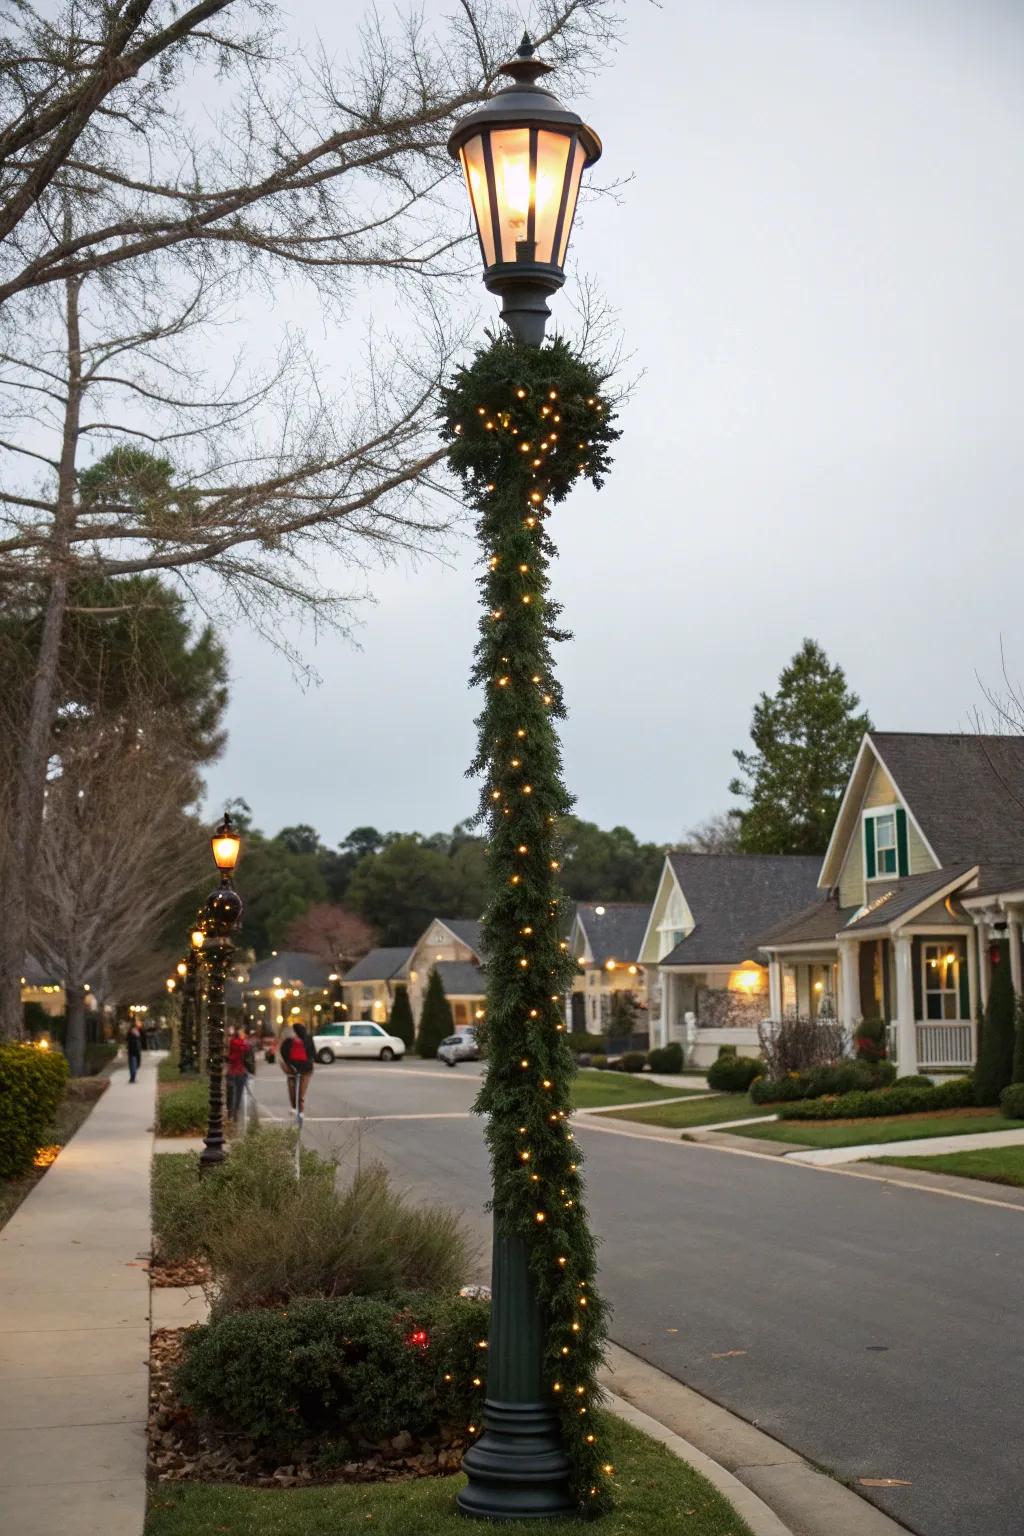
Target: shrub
<point>360,1367</point>
<point>871,1040</point>
<point>632,1061</point>
<point>32,1084</point>
<point>184,1110</point>
<point>401,1021</point>
<point>666,1058</point>
<point>580,1042</point>
<point>436,1020</point>
<point>1018,1043</point>
<point>1011,1101</point>
<point>798,1043</point>
<point>598,1060</point>
<point>995,1057</point>
<point>98,1055</point>
<point>840,1077</point>
<point>955,1093</point>
<point>733,1074</point>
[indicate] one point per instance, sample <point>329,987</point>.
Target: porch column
<point>666,1007</point>
<point>983,963</point>
<point>1013,934</point>
<point>849,986</point>
<point>775,987</point>
<point>906,1024</point>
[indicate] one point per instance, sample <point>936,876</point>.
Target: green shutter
<point>965,982</point>
<point>869,846</point>
<point>902,850</point>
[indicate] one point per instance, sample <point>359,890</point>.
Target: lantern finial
<point>524,66</point>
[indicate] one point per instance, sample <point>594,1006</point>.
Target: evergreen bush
<point>871,1041</point>
<point>955,1093</point>
<point>32,1084</point>
<point>996,1056</point>
<point>401,1021</point>
<point>1011,1101</point>
<point>733,1074</point>
<point>183,1111</point>
<point>1018,1043</point>
<point>436,1020</point>
<point>841,1077</point>
<point>632,1061</point>
<point>666,1058</point>
<point>581,1042</point>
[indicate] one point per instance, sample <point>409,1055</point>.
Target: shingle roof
<point>967,792</point>
<point>735,898</point>
<point>294,968</point>
<point>461,979</point>
<point>379,964</point>
<point>614,929</point>
<point>468,930</point>
<point>824,920</point>
<point>994,879</point>
<point>904,896</point>
<point>818,923</point>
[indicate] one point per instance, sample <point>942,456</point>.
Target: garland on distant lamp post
<point>524,424</point>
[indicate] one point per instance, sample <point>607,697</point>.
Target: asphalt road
<point>878,1330</point>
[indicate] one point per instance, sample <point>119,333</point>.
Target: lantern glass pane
<point>225,851</point>
<point>510,151</point>
<point>476,182</point>
<point>552,156</point>
<point>575,172</point>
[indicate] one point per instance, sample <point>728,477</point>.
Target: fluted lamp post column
<point>221,917</point>
<point>523,154</point>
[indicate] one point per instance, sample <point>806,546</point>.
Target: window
<point>360,1031</point>
<point>367,994</point>
<point>941,981</point>
<point>886,845</point>
<point>886,856</point>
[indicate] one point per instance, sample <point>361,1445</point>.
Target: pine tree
<point>401,1020</point>
<point>996,1056</point>
<point>806,737</point>
<point>436,1020</point>
<point>1018,1044</point>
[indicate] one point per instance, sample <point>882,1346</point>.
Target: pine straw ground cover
<point>654,1491</point>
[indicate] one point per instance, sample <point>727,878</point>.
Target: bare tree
<point>717,834</point>
<point>117,850</point>
<point>333,934</point>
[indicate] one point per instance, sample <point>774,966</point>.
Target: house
<point>288,984</point>
<point>707,984</point>
<point>368,989</point>
<point>921,890</point>
<point>452,946</point>
<point>610,984</point>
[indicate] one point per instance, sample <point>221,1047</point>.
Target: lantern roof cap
<point>524,104</point>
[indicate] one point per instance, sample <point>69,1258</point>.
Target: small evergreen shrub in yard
<point>840,1077</point>
<point>871,1040</point>
<point>955,1093</point>
<point>996,1053</point>
<point>1018,1043</point>
<point>365,1367</point>
<point>436,1021</point>
<point>1011,1101</point>
<point>32,1083</point>
<point>666,1058</point>
<point>598,1060</point>
<point>632,1061</point>
<point>401,1021</point>
<point>733,1074</point>
<point>183,1112</point>
<point>579,1041</point>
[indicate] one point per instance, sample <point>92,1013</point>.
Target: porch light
<point>522,154</point>
<point>226,845</point>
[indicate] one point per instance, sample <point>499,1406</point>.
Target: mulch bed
<point>181,1449</point>
<point>974,1113</point>
<point>188,1272</point>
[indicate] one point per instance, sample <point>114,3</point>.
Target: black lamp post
<point>523,154</point>
<point>221,917</point>
<point>186,969</point>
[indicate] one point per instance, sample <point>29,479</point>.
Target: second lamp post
<point>221,916</point>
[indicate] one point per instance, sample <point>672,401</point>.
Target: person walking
<point>238,1057</point>
<point>134,1050</point>
<point>295,1053</point>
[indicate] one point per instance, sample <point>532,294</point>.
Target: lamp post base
<point>211,1157</point>
<point>517,1469</point>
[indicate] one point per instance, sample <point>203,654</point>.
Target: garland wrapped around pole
<point>524,424</point>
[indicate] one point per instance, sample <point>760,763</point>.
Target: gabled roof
<point>460,978</point>
<point>907,895</point>
<point>379,964</point>
<point>466,929</point>
<point>825,921</point>
<point>817,924</point>
<point>735,898</point>
<point>614,930</point>
<point>294,968</point>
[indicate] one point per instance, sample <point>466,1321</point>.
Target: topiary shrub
<point>733,1074</point>
<point>352,1368</point>
<point>871,1041</point>
<point>666,1058</point>
<point>994,1069</point>
<point>955,1093</point>
<point>436,1021</point>
<point>632,1061</point>
<point>1011,1101</point>
<point>401,1022</point>
<point>32,1084</point>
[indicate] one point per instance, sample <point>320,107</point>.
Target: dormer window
<point>886,853</point>
<point>886,858</point>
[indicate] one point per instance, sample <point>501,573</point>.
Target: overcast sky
<point>818,265</point>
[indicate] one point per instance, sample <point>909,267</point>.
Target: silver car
<point>460,1047</point>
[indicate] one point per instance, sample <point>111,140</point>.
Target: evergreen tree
<point>996,1056</point>
<point>401,1020</point>
<point>1018,1044</point>
<point>436,1020</point>
<point>806,737</point>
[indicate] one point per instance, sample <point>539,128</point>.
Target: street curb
<point>761,1520</point>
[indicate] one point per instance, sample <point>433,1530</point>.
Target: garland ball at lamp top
<point>524,424</point>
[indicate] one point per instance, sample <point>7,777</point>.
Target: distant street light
<point>222,914</point>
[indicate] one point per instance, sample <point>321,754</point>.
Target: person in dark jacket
<point>134,1050</point>
<point>295,1053</point>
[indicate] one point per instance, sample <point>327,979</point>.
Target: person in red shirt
<point>295,1054</point>
<point>238,1053</point>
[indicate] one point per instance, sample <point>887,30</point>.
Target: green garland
<point>524,425</point>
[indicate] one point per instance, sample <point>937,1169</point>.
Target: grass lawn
<point>856,1133</point>
<point>591,1088</point>
<point>655,1490</point>
<point>1000,1165</point>
<point>73,1109</point>
<point>691,1112</point>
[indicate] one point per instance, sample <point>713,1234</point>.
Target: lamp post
<point>222,914</point>
<point>509,418</point>
<point>188,1055</point>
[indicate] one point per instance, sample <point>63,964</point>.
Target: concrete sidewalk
<point>921,1146</point>
<point>74,1330</point>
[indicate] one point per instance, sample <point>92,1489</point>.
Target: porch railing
<point>945,1045</point>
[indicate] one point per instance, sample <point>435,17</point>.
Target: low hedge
<point>733,1074</point>
<point>632,1061</point>
<point>357,1367</point>
<point>579,1041</point>
<point>666,1058</point>
<point>32,1084</point>
<point>1011,1101</point>
<point>900,1099</point>
<point>183,1109</point>
<point>842,1077</point>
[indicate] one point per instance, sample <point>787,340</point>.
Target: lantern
<point>226,845</point>
<point>523,154</point>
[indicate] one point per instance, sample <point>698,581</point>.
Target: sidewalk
<point>74,1330</point>
<point>922,1146</point>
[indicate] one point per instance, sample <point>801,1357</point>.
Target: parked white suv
<point>361,1038</point>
